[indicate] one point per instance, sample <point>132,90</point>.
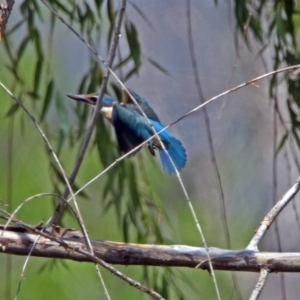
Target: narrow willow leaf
<point>13,109</point>
<point>47,100</point>
<point>22,47</point>
<point>158,66</point>
<point>35,36</point>
<point>133,43</point>
<point>38,75</point>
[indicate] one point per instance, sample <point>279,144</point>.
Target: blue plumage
<point>174,148</point>
<point>132,128</point>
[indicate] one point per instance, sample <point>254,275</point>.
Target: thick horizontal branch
<point>69,244</point>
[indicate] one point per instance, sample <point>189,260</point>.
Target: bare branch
<point>88,135</point>
<point>273,213</point>
<point>260,284</point>
<point>70,244</point>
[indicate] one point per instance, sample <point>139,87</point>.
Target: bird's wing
<point>126,138</point>
<point>142,128</point>
<point>147,109</point>
<point>129,117</point>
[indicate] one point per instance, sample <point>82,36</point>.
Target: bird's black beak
<point>82,98</point>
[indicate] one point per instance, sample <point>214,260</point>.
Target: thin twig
<point>59,209</point>
<point>260,284</point>
<point>48,145</point>
<point>88,135</point>
<point>10,190</point>
<point>277,233</point>
<point>289,168</point>
<point>210,142</point>
<point>272,214</point>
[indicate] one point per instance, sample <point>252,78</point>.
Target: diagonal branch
<point>260,284</point>
<point>88,135</point>
<point>273,213</point>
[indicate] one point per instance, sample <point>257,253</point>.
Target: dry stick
<point>272,214</point>
<point>278,114</point>
<point>260,284</point>
<point>210,141</point>
<point>59,209</point>
<point>109,70</point>
<point>79,249</point>
<point>292,146</point>
<point>48,145</point>
<point>17,241</point>
<point>10,190</point>
<point>294,155</point>
<point>274,171</point>
<point>88,135</point>
<point>245,34</point>
<point>289,168</point>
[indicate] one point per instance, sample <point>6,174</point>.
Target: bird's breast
<point>107,112</point>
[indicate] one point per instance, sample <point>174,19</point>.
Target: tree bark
<point>69,244</point>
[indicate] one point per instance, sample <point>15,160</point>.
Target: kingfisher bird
<point>132,128</point>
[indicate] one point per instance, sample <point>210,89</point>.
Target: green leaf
<point>35,36</point>
<point>123,62</point>
<point>22,48</point>
<point>158,66</point>
<point>111,17</point>
<point>47,100</point>
<point>98,4</point>
<point>130,73</point>
<point>38,75</point>
<point>13,109</point>
<point>133,43</point>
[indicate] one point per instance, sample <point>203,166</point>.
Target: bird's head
<point>91,99</point>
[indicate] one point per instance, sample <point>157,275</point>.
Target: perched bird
<point>132,128</point>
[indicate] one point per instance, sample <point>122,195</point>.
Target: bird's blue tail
<point>177,154</point>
